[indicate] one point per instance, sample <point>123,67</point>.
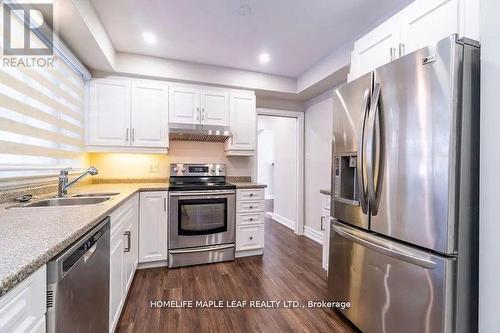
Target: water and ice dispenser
<point>345,187</point>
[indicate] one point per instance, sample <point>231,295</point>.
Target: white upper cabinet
<point>127,113</point>
<point>184,105</point>
<point>193,105</point>
<point>375,49</point>
<point>215,107</point>
<point>243,119</point>
<point>149,126</point>
<point>109,113</point>
<point>422,23</point>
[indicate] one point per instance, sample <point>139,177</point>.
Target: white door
<point>153,226</point>
<point>242,121</point>
<point>215,107</point>
<point>427,21</point>
<point>184,105</point>
<point>116,282</point>
<point>109,113</point>
<point>149,114</point>
<point>375,49</point>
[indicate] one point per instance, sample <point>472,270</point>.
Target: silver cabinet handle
<point>165,204</point>
<point>392,52</point>
<point>401,49</point>
<point>360,158</point>
<point>203,114</point>
<point>127,135</point>
<point>197,113</point>
<point>133,134</point>
<point>127,233</point>
<point>322,219</point>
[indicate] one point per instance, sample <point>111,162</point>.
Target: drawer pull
<point>250,207</point>
<point>251,219</point>
<point>251,237</point>
<point>251,194</point>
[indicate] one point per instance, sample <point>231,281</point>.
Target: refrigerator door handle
<point>383,247</point>
<point>373,151</point>
<point>360,159</point>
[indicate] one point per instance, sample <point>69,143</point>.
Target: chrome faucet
<point>64,184</point>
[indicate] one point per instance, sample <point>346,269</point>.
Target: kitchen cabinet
<point>197,105</point>
<point>109,113</point>
<point>123,256</point>
<point>149,116</point>
<point>325,227</point>
<point>23,308</point>
<point>153,226</point>
<point>243,124</point>
<point>127,115</point>
<point>250,219</point>
<point>420,24</point>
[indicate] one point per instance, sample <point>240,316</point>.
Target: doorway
<point>279,165</point>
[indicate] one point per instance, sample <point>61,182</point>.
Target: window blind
<point>41,115</point>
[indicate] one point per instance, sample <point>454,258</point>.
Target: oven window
<point>202,217</point>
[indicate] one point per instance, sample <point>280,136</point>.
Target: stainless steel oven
<point>202,214</point>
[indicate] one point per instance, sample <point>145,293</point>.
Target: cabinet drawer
<point>249,237</point>
<point>250,206</point>
<point>250,194</point>
<point>22,307</point>
<point>245,219</point>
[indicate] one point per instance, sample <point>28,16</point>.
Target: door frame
<point>299,116</point>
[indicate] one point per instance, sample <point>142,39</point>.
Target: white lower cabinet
<point>325,227</point>
<point>250,218</point>
<point>23,308</point>
<point>123,256</point>
<point>153,226</point>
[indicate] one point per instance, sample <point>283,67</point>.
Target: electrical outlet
<point>154,167</point>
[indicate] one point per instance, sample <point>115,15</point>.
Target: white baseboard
<point>283,220</point>
<point>153,264</point>
<point>313,234</point>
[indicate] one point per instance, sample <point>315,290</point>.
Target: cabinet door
<point>375,49</point>
<point>153,226</point>
<point>130,245</point>
<point>109,113</point>
<point>242,122</point>
<point>184,105</point>
<point>427,21</point>
<point>116,281</point>
<point>149,114</point>
<point>215,107</point>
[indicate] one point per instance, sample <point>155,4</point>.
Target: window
<point>41,116</point>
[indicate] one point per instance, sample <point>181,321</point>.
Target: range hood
<point>198,132</point>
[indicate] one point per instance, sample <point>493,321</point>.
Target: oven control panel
<point>185,169</point>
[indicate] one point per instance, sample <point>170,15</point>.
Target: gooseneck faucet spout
<point>64,183</point>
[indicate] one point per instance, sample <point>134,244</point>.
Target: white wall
<point>285,163</point>
<point>489,254</point>
<point>265,167</point>
<point>318,151</point>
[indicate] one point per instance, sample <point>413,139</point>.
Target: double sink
<point>75,200</point>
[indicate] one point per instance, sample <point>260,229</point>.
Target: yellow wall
<point>121,165</point>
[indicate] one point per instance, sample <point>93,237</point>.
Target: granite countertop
<point>248,185</point>
<point>325,191</point>
<point>30,237</point>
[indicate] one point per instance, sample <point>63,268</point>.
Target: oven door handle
<point>203,249</point>
<point>211,194</point>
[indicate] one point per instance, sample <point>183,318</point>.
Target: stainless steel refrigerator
<point>405,174</point>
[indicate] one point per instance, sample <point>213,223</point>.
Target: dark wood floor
<point>290,269</point>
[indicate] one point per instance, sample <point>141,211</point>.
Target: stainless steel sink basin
<point>56,202</point>
<point>90,195</point>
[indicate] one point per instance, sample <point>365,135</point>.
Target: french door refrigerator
<point>405,173</point>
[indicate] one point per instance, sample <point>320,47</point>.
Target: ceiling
<point>297,34</point>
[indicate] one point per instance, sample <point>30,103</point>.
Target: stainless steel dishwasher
<point>78,285</point>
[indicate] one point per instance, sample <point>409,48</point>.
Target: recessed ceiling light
<point>149,37</point>
<point>264,58</point>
